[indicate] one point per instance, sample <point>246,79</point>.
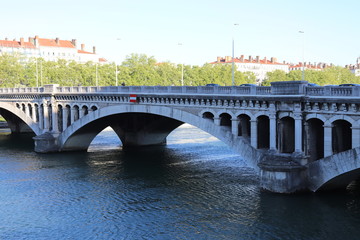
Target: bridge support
<point>281,174</point>
<point>46,143</point>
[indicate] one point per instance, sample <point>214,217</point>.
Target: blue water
<point>193,188</point>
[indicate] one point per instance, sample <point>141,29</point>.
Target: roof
<point>44,42</point>
<point>84,52</point>
<point>16,44</point>
<point>261,61</point>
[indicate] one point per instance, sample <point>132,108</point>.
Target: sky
<point>194,32</point>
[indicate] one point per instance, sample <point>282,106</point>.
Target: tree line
<point>139,69</point>
<point>136,69</point>
<point>334,75</point>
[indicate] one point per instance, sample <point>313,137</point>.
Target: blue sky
<point>205,28</point>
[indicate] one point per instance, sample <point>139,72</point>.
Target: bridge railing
<point>300,89</point>
<point>341,91</point>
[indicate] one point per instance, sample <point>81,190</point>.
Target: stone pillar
<point>46,116</point>
<point>253,137</point>
<point>328,140</point>
<point>235,126</point>
<point>65,117</point>
<point>298,132</point>
<point>54,115</point>
<point>272,127</point>
<point>73,113</point>
<point>355,132</point>
<point>81,112</point>
<point>27,110</point>
<point>41,117</point>
<point>34,113</point>
<point>217,121</point>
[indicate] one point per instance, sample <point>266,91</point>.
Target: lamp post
<point>232,60</point>
<point>116,69</point>
<point>303,63</point>
<point>182,69</point>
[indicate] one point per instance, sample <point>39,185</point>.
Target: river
<point>195,187</point>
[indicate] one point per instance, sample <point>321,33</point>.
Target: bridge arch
<point>263,132</point>
<point>207,114</point>
<point>286,133</point>
<point>314,140</point>
<point>341,136</point>
<point>79,134</point>
<point>244,127</point>
<point>316,116</point>
<point>17,119</point>
<point>225,119</point>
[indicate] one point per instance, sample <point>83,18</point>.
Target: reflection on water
<point>193,188</point>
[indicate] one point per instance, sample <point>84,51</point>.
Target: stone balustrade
<point>276,89</point>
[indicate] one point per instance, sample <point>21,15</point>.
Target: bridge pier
<point>282,174</point>
<point>46,143</point>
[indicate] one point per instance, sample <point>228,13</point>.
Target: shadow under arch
<point>18,122</point>
<point>79,135</point>
<point>133,129</point>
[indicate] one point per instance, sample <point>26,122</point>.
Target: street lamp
<point>116,69</point>
<point>182,69</point>
<point>233,64</point>
<point>303,65</point>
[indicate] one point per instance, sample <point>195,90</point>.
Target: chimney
<point>265,60</point>
<point>22,42</point>
<point>257,59</point>
<point>6,39</point>
<point>272,60</point>
<point>36,41</point>
<point>57,41</point>
<point>242,58</point>
<point>73,41</point>
<point>94,50</point>
<point>227,59</point>
<point>82,47</point>
<point>250,58</point>
<point>218,59</point>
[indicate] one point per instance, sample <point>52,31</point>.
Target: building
<point>255,65</point>
<point>49,49</point>
<point>355,68</point>
<point>309,66</point>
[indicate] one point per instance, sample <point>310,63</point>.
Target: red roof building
<point>255,65</point>
<point>49,49</point>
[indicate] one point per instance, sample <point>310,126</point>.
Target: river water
<point>195,187</point>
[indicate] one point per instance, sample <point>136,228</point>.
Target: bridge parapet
<point>278,88</point>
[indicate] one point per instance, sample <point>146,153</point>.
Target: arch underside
<point>341,182</point>
<point>133,129</point>
<point>15,123</point>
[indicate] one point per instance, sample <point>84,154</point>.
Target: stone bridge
<point>298,137</point>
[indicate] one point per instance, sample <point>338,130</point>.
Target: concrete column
<point>65,117</point>
<point>27,110</point>
<point>54,117</point>
<point>217,121</point>
<point>81,112</point>
<point>298,132</point>
<point>235,126</point>
<point>34,114</point>
<point>355,132</point>
<point>328,140</point>
<point>272,123</point>
<point>41,117</point>
<point>253,137</point>
<point>46,116</point>
<point>73,113</point>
